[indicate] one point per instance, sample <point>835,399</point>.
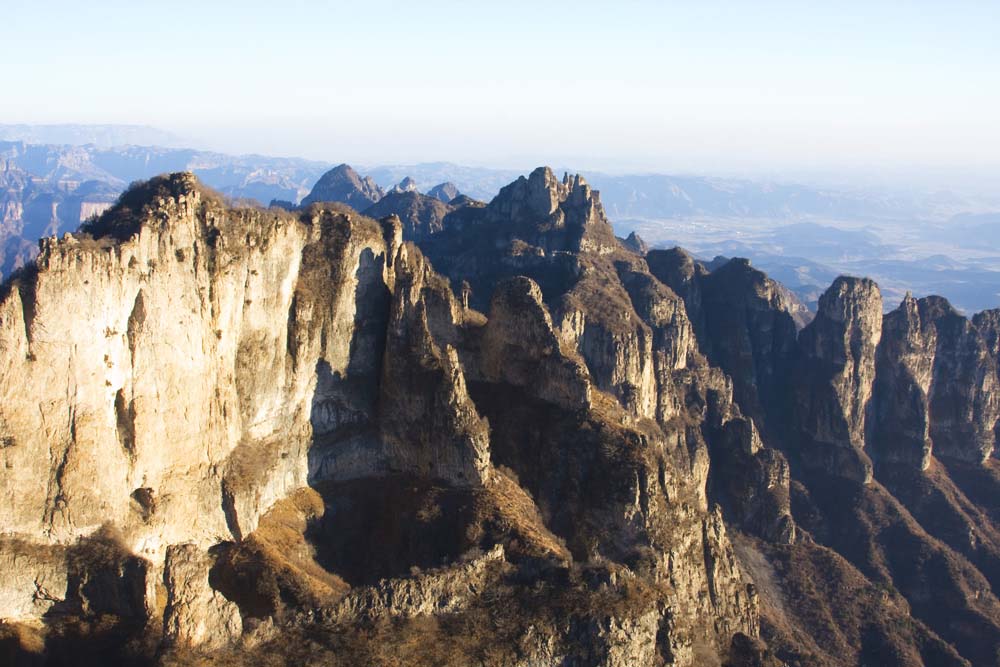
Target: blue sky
<point>695,86</point>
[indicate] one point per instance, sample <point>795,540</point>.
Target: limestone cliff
<point>180,377</point>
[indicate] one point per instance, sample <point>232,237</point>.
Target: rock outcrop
<point>635,243</point>
<point>937,387</point>
<point>444,192</point>
<point>405,185</point>
<point>925,383</point>
<point>195,613</point>
<point>343,184</point>
<point>744,325</point>
<point>835,372</point>
<point>421,215</point>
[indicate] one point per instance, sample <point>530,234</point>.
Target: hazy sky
<point>699,86</point>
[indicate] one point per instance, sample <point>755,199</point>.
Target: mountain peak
<point>555,214</point>
<point>849,298</point>
<point>343,184</point>
<point>421,215</point>
<point>405,185</point>
<point>635,243</point>
<point>126,216</point>
<point>444,192</point>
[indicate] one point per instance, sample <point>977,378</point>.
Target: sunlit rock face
<point>178,383</point>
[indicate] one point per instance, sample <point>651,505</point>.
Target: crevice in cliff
<point>344,403</point>
<point>125,423</point>
<point>229,510</point>
<point>291,331</point>
<point>55,496</point>
<point>136,320</point>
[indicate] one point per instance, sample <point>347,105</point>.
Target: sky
<point>714,87</point>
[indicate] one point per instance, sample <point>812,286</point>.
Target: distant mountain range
<point>637,196</point>
<point>103,136</point>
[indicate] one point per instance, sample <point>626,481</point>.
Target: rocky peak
<point>635,243</point>
<point>937,384</point>
<point>738,274</point>
<point>748,330</point>
<point>836,363</point>
<point>674,267</point>
<point>520,347</point>
<point>988,323</point>
<point>903,379</point>
<point>852,302</point>
<point>536,197</point>
<point>556,215</point>
<point>405,185</point>
<point>421,215</point>
<point>677,269</point>
<point>151,201</point>
<point>465,200</point>
<point>444,192</point>
<point>343,184</point>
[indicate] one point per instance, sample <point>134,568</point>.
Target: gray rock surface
<point>343,184</point>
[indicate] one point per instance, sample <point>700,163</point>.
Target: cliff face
<point>230,381</point>
<point>887,422</point>
<point>944,367</point>
<point>743,322</point>
<point>178,403</point>
<point>837,366</point>
<point>284,436</point>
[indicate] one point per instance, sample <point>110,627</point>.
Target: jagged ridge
<point>280,414</point>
